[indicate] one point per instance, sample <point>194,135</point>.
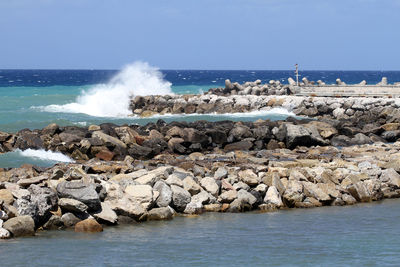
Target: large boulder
<point>180,198</point>
<point>191,186</point>
<point>85,193</point>
<point>164,213</point>
<point>273,198</point>
<point>127,206</point>
<point>293,193</point>
<point>297,135</point>
<point>165,194</point>
<point>142,194</point>
<point>88,226</point>
<point>313,190</point>
<point>108,140</point>
<point>106,214</point>
<point>391,177</point>
<point>209,184</point>
<point>197,202</point>
<point>249,177</point>
<point>241,145</point>
<point>72,205</point>
<point>69,219</point>
<point>39,204</point>
<point>360,192</point>
<point>4,234</point>
<point>6,196</point>
<point>20,226</point>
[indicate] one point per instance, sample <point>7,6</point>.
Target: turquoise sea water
<point>360,235</point>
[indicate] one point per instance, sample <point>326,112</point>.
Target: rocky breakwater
<point>89,195</point>
<point>112,142</point>
<point>273,87</point>
<point>359,110</point>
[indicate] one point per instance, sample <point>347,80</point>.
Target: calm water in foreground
<point>360,235</point>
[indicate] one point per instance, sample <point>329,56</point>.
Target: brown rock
<point>6,196</point>
<point>105,155</point>
<point>88,226</point>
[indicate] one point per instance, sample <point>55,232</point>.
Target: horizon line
<point>167,69</point>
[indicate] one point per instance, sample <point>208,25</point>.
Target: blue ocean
<point>35,98</point>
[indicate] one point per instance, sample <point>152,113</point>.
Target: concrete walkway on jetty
<point>349,90</point>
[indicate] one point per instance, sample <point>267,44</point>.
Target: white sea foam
<point>112,99</point>
<point>44,155</point>
<point>256,113</point>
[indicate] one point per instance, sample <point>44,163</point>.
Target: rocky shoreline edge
<point>85,196</point>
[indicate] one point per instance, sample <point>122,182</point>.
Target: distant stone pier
<point>310,88</point>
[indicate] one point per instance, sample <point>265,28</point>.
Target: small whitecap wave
<point>42,154</point>
<point>257,113</point>
<point>113,99</point>
<point>80,123</point>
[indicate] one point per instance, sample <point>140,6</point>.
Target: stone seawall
<point>95,193</point>
<point>367,109</point>
<point>112,142</point>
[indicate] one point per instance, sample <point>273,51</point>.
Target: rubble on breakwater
<point>276,87</point>
<point>87,195</point>
<point>112,142</point>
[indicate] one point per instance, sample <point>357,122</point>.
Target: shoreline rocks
<point>113,142</point>
<point>115,192</point>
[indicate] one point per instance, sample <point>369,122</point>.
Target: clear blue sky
<point>201,34</point>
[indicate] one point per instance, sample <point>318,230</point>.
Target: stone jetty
<point>88,195</point>
<point>332,151</point>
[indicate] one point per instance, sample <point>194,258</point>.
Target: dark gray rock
<point>85,193</point>
<point>180,198</point>
<point>165,197</point>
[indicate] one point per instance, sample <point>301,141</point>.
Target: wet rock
<point>197,202</point>
<point>127,206</point>
<point>163,213</point>
<point>293,193</point>
<point>273,198</point>
<point>297,135</point>
<point>360,192</point>
<point>69,219</point>
<point>54,223</point>
<point>88,226</point>
<point>20,226</point>
<point>4,234</point>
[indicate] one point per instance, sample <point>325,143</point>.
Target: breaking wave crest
<point>112,99</point>
<point>43,155</point>
<point>250,114</point>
